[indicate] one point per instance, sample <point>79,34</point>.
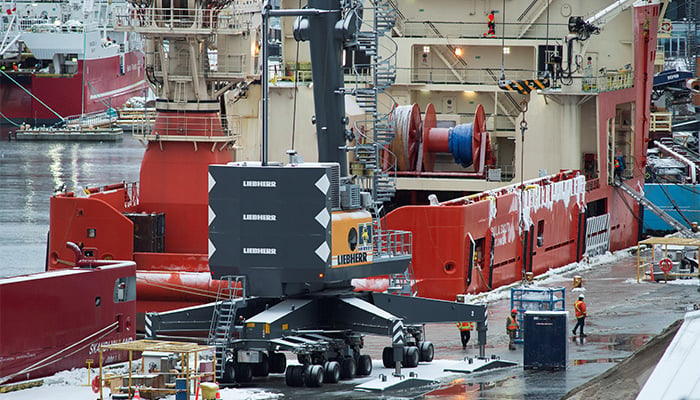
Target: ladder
<point>402,284</point>
<point>229,298</point>
<point>638,197</point>
<point>368,150</point>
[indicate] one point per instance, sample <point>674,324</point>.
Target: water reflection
<point>598,361</point>
<point>30,172</point>
<point>615,342</point>
<point>460,389</point>
<point>55,165</point>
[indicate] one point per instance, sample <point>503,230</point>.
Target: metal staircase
<point>402,284</point>
<point>229,298</point>
<point>638,197</point>
<point>368,150</point>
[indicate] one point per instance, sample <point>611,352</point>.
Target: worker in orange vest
<point>512,327</point>
<point>580,310</point>
<point>465,332</point>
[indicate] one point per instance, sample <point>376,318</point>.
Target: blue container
<point>545,341</point>
<point>180,389</point>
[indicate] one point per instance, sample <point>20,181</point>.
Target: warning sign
<point>365,237</point>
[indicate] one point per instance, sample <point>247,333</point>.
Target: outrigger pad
<point>478,365</point>
<point>390,382</point>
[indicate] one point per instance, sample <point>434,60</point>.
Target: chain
<point>523,123</point>
<point>521,224</point>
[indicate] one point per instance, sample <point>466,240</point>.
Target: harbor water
<point>30,172</point>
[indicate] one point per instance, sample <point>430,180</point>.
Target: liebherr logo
<point>354,258</point>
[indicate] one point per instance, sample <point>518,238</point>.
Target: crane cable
<point>546,43</point>
<point>503,43</point>
<point>178,288</point>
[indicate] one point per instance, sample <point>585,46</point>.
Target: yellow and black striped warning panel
<point>524,86</point>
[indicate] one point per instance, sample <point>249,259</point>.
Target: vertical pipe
<point>523,255</point>
<point>638,250</point>
<point>491,265</point>
<point>578,237</point>
<point>470,264</point>
<point>263,78</point>
<point>101,360</point>
<point>530,248</point>
<point>131,359</point>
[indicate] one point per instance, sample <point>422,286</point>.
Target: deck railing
<point>393,243</point>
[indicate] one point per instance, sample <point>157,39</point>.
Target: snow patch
<point>554,275</point>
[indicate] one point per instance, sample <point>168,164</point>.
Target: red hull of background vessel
<point>104,86</point>
<point>55,321</point>
<point>174,176</point>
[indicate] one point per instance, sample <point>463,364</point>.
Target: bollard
<point>577,281</point>
<point>209,390</point>
<point>529,276</point>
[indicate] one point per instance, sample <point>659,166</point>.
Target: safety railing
<point>131,192</point>
<point>175,127</point>
<point>462,76</point>
<point>616,80</point>
<point>180,18</point>
<point>592,184</point>
<point>97,118</point>
<point>391,243</point>
<point>500,173</point>
<point>461,29</point>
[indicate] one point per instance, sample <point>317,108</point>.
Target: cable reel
<point>416,145</point>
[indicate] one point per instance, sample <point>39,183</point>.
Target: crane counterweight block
<point>295,229</point>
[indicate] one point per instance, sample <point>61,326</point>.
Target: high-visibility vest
<point>512,323</point>
<point>580,308</point>
<point>465,326</point>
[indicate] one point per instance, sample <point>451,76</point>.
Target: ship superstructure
<point>524,185</point>
<point>513,132</point>
<point>161,222</point>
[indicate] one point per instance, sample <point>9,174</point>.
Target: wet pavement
<point>623,315</point>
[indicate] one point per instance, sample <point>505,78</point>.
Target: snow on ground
<point>73,384</point>
<point>554,275</point>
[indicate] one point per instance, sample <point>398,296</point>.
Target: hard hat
<point>580,296</point>
<point>514,311</point>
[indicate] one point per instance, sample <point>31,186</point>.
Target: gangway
<point>638,197</point>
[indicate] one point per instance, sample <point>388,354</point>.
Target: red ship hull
<point>174,182</point>
<point>103,82</point>
<point>475,245</point>
<point>55,321</point>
